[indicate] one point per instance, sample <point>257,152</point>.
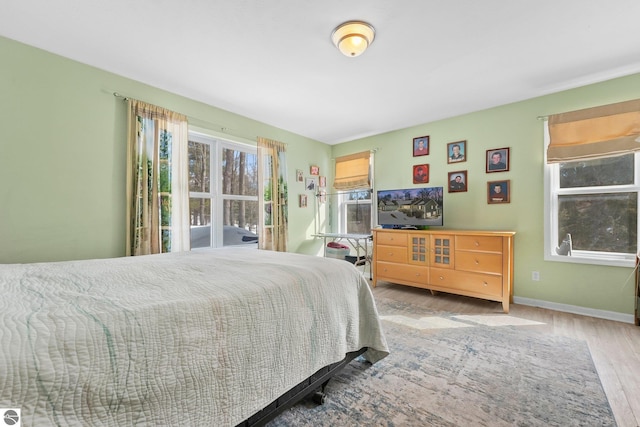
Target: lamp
<point>352,38</point>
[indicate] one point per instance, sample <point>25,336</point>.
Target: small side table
<point>356,241</point>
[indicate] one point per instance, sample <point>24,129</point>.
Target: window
<point>353,181</point>
<point>223,192</point>
<point>595,201</point>
<point>355,212</point>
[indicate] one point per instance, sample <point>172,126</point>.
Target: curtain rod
<point>222,128</point>
<point>344,192</point>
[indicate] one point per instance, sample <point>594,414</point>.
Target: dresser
<point>464,262</point>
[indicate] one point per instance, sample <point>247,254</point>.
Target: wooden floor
<point>615,346</point>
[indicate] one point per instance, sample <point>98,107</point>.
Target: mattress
<point>207,337</point>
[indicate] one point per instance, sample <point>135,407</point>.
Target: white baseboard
<point>602,314</point>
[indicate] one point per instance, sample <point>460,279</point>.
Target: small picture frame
<point>311,183</point>
<point>302,200</point>
<point>420,174</point>
<point>322,181</point>
<point>299,177</point>
<point>498,160</point>
<point>421,146</point>
<point>314,170</point>
<point>457,181</point>
<point>499,192</point>
<point>457,152</point>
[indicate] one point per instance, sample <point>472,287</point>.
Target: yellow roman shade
<point>352,171</point>
<point>594,132</point>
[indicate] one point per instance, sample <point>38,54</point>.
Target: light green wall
<point>515,126</point>
<point>62,157</point>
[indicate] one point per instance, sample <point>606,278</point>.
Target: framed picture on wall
<point>302,200</point>
<point>498,160</point>
<point>299,177</point>
<point>457,181</point>
<point>311,183</point>
<point>420,174</point>
<point>314,170</point>
<point>457,152</point>
<point>420,146</point>
<point>498,192</point>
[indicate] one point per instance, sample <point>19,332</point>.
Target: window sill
<point>593,259</point>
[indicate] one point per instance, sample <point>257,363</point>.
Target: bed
<point>208,337</point>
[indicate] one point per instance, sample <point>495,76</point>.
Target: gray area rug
<point>448,370</point>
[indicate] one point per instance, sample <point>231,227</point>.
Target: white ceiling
<point>273,61</point>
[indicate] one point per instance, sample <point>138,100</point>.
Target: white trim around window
<point>551,193</point>
<point>216,195</point>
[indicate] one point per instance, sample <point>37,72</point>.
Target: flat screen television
<point>410,207</point>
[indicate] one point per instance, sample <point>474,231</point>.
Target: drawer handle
<point>477,243</point>
<point>441,278</point>
<point>485,284</point>
<point>390,253</point>
<point>477,262</point>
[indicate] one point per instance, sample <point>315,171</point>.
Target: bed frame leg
<point>319,397</point>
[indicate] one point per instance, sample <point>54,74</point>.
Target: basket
<point>339,253</point>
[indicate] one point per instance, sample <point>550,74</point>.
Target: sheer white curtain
<point>157,180</point>
<point>272,178</point>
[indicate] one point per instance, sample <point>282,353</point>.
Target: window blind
<point>594,132</point>
<point>352,171</point>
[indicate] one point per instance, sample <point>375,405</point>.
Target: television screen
<point>410,207</point>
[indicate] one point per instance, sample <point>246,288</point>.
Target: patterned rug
<point>450,370</point>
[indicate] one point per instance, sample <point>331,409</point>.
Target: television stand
<point>472,263</point>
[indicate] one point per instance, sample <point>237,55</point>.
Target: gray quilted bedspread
<point>202,338</point>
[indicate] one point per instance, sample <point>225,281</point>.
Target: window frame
<point>216,195</point>
<point>344,203</point>
<point>552,191</point>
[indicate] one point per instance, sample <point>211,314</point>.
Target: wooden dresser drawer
<point>443,277</point>
<point>391,253</point>
<point>392,239</point>
<point>479,262</point>
<point>471,283</point>
<point>479,243</point>
<point>403,273</point>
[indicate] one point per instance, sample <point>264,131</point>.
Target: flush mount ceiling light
<point>352,38</point>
